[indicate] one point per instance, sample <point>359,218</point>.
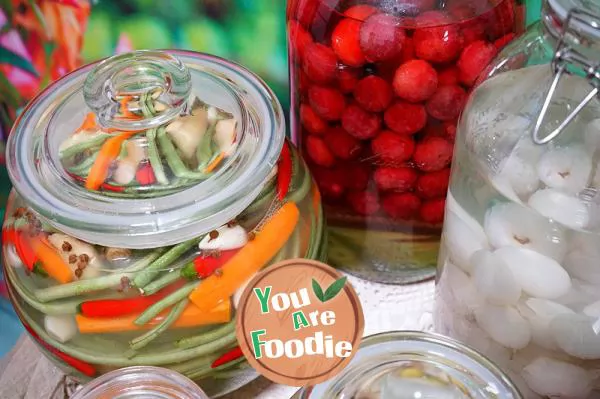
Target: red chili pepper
<point>284,173</point>
<point>227,357</point>
<point>103,186</point>
<point>8,235</point>
<point>122,307</point>
<point>80,365</point>
<point>25,251</point>
<point>205,266</point>
<point>145,175</point>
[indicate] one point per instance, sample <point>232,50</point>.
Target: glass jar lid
<point>142,382</point>
<point>416,365</point>
<point>583,21</point>
<point>147,148</point>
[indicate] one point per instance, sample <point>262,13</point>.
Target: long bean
<point>175,162</point>
<point>84,167</point>
<point>145,277</point>
<point>80,147</point>
<point>317,236</point>
<point>209,336</point>
<point>167,279</point>
<point>154,157</point>
<point>97,284</point>
<point>206,371</point>
<point>97,357</point>
<point>164,303</point>
<point>204,151</point>
<point>144,339</point>
<point>299,193</point>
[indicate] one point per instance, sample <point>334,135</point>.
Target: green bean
<point>154,157</point>
<point>175,163</point>
<point>84,167</point>
<point>299,193</point>
<point>144,339</point>
<point>204,152</point>
<point>96,357</point>
<point>145,277</point>
<point>160,283</point>
<point>164,303</point>
<point>96,284</point>
<point>80,147</point>
<point>317,236</point>
<point>145,107</point>
<point>265,197</point>
<point>206,371</point>
<point>209,336</point>
<point>196,363</point>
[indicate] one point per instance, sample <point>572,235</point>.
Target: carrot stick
<point>89,123</point>
<point>52,262</point>
<point>192,316</point>
<point>108,153</point>
<point>250,259</point>
<point>125,112</point>
<point>211,166</point>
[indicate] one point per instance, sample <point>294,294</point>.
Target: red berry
<point>438,43</point>
<point>432,212</point>
<point>450,127</point>
<point>415,81</point>
<point>432,154</point>
<point>447,103</point>
<point>320,63</point>
<point>472,28</point>
<point>408,50</point>
<point>360,123</point>
<point>341,144</point>
<point>504,40</point>
<point>448,76</point>
<point>392,148</point>
<point>311,121</point>
<point>326,102</point>
<point>473,60</point>
<point>303,82</point>
<point>360,12</point>
<point>356,176</point>
<point>402,206</point>
<point>318,151</point>
<point>329,182</point>
<point>405,118</point>
<point>345,41</point>
<point>397,179</point>
<point>305,11</point>
<point>373,93</point>
<point>381,37</point>
<point>410,7</point>
<point>434,184</point>
<point>430,19</point>
<point>347,80</point>
<point>501,20</point>
<point>364,203</point>
<point>299,38</point>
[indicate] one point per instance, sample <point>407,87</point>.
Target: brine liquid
<point>547,345</point>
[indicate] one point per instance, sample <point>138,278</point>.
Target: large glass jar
<point>148,189</point>
<point>377,87</point>
<point>519,268</point>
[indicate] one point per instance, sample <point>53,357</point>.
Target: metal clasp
<point>564,58</point>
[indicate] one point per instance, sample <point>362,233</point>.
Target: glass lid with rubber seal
<point>150,145</point>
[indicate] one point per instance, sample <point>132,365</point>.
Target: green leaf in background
<point>318,290</point>
<point>9,57</point>
<point>207,36</point>
<point>146,32</point>
<point>9,93</point>
<point>335,289</point>
<point>100,38</point>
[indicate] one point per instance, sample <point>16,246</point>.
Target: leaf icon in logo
<point>330,292</point>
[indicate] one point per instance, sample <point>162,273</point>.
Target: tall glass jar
<point>148,189</point>
<point>377,87</point>
<point>519,268</point>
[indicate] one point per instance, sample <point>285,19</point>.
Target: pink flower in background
<point>124,44</point>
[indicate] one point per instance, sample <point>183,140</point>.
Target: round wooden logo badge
<point>299,322</point>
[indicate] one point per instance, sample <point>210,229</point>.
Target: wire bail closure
<point>564,57</point>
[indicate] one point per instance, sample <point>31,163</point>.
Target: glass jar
<point>377,87</point>
<point>141,382</point>
<point>135,179</point>
<point>415,365</point>
<point>518,269</point>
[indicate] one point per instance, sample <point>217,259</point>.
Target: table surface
<point>25,373</point>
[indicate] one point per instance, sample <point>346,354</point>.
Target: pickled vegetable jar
<point>519,268</point>
<point>148,189</point>
<point>409,364</point>
<point>377,87</point>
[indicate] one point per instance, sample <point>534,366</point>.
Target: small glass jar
<point>141,382</point>
<point>519,264</point>
<point>376,90</point>
<point>415,365</point>
<point>148,189</point>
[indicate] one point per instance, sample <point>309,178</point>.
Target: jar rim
<point>412,344</point>
<point>561,9</point>
<point>127,378</point>
<point>145,223</point>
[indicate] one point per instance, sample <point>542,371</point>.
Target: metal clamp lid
<point>566,59</point>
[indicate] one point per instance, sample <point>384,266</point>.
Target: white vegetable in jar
<point>504,325</point>
<point>557,379</point>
